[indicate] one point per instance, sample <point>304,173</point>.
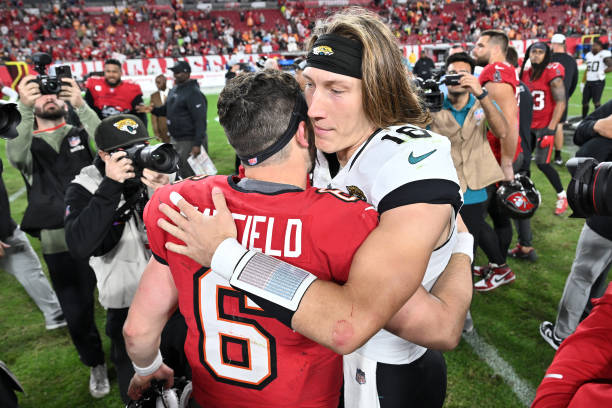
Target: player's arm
<point>154,302</point>
<point>503,95</point>
<point>496,120</point>
<point>435,319</point>
<point>557,89</point>
<point>386,270</point>
<point>608,62</point>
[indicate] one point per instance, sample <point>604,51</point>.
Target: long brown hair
<point>388,98</point>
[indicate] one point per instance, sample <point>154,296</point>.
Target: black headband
<point>336,54</point>
<point>299,114</point>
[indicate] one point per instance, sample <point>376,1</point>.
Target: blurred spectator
<point>599,63</point>
<point>158,98</point>
<point>424,66</point>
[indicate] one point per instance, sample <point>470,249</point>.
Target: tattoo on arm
<point>557,88</point>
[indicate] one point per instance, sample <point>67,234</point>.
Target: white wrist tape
<point>261,275</point>
<point>464,245</point>
<point>153,367</point>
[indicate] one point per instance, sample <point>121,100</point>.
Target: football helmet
<point>518,198</point>
<point>158,397</point>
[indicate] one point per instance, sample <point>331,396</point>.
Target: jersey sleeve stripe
<point>430,191</point>
<point>160,259</point>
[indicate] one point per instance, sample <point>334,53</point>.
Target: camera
<point>9,119</point>
<point>429,91</point>
<point>453,79</point>
<point>49,84</point>
<point>161,158</point>
<point>590,190</point>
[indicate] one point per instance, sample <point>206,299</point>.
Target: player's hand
<point>471,83</point>
<point>201,235</point>
<point>71,92</point>
<point>138,384</point>
<point>582,87</point>
<point>141,108</point>
<point>195,151</point>
<point>154,179</point>
<point>29,90</point>
<point>3,245</point>
<point>118,167</point>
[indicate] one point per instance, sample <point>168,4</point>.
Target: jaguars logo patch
<point>323,50</point>
<point>127,125</point>
<point>356,192</point>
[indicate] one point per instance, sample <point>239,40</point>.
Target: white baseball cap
<point>557,39</point>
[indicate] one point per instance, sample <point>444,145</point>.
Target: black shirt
<point>7,225</point>
<point>571,71</point>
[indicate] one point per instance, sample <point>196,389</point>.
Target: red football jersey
<point>239,356</point>
<point>500,72</point>
<point>112,100</point>
<point>543,102</point>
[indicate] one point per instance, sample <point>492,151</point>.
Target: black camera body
<point>590,190</point>
<point>49,84</point>
<point>453,79</point>
<point>429,91</point>
<point>161,158</point>
<point>9,120</point>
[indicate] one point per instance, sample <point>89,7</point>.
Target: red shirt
<point>543,102</point>
<point>500,72</point>
<point>239,356</point>
<point>112,100</point>
<point>580,375</point>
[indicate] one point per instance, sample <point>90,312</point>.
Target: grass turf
<point>508,318</point>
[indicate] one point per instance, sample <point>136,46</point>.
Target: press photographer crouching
<point>581,372</point>
<point>104,205</point>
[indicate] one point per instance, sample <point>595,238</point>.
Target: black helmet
<point>519,198</point>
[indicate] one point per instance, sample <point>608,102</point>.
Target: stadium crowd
<point>69,33</point>
<point>481,146</point>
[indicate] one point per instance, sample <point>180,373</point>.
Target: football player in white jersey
<point>599,63</point>
<point>368,127</point>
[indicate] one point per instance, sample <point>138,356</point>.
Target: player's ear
<point>302,134</point>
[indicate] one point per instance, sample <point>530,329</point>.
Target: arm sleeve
<point>18,149</point>
<point>135,102</point>
<point>90,121</point>
<point>198,107</point>
<point>90,102</point>
<point>573,80</point>
<point>585,131</point>
<point>89,223</point>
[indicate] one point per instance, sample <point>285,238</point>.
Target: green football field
<point>500,365</point>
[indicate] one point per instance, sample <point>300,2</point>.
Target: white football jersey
<point>398,166</point>
<point>596,65</point>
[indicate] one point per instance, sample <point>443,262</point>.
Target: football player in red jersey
<point>500,79</point>
<point>109,95</point>
<point>545,81</point>
<point>240,355</point>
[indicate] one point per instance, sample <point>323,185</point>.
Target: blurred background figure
<point>158,98</point>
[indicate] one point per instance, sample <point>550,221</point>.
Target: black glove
<point>543,132</point>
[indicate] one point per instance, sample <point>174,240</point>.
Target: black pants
<point>474,218</point>
<point>496,241</point>
<point>421,383</point>
<point>172,348</point>
<point>592,90</point>
<point>74,283</point>
<point>551,174</point>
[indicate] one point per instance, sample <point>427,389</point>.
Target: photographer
<point>104,205</point>
<point>588,276</point>
<point>49,153</point>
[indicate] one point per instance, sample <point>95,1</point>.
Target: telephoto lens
<point>590,191</point>
<point>161,158</point>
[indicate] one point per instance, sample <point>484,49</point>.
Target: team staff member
<point>49,153</point>
<point>185,110</point>
<point>545,81</point>
<point>501,81</point>
<point>367,141</point>
<point>158,98</point>
<point>599,63</point>
<point>560,55</point>
<point>104,205</point>
<point>109,95</point>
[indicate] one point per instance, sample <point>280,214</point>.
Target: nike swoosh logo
<point>198,105</point>
<point>415,159</point>
<point>499,278</point>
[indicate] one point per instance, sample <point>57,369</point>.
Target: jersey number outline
<point>539,100</point>
<point>593,66</point>
<point>257,367</point>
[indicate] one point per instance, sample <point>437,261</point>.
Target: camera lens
<point>161,158</point>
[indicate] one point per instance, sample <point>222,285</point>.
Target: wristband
<point>464,245</point>
<point>226,257</point>
<point>483,94</point>
<point>153,367</point>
